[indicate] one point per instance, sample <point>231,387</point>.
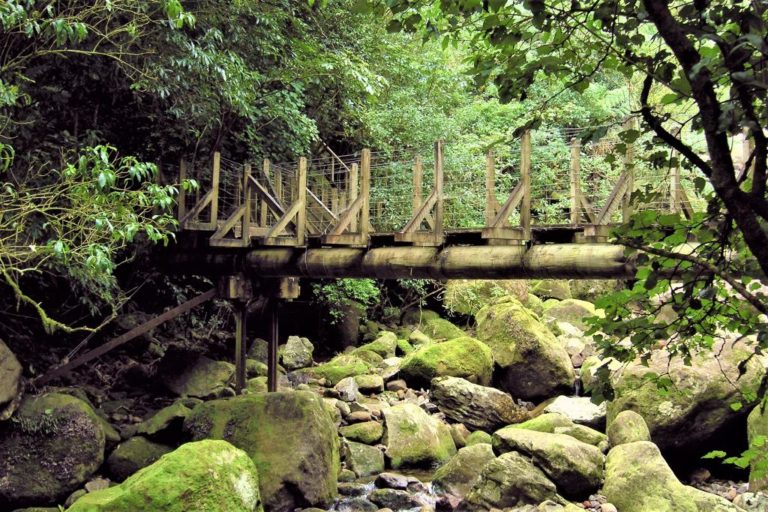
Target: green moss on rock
<point>340,367</point>
<point>207,475</point>
<point>547,422</point>
<point>54,443</point>
<point>478,437</point>
<point>290,437</point>
<point>416,439</point>
<point>133,455</point>
<point>368,432</point>
<point>440,329</point>
<point>384,345</point>
<point>460,357</point>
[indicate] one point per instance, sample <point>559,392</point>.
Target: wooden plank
<point>439,204</point>
<point>352,187</point>
<point>574,178</point>
<point>418,175</point>
<point>346,239</point>
<point>126,337</point>
<point>589,211</point>
<point>365,191</point>
<point>515,198</point>
<point>525,171</point>
<point>215,187</point>
<point>271,202</point>
<point>246,234</point>
<point>264,210</point>
<point>322,205</point>
<point>301,216</point>
<point>415,223</point>
<point>490,188</point>
<point>613,201</point>
<point>281,224</point>
<point>230,223</point>
<point>348,217</point>
<point>182,203</point>
<point>192,214</point>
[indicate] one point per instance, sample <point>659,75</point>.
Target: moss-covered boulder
<point>757,426</point>
<point>368,432</point>
<point>627,427</point>
<point>460,357</point>
<point>510,480</point>
<point>200,377</point>
<point>404,347</point>
<point>289,435</point>
<point>418,316</point>
<point>592,289</point>
<point>638,479</point>
<point>296,353</point>
<point>579,409</point>
<point>340,367</point>
<point>478,437</point>
<point>572,311</point>
<point>417,338</point>
<point>546,422</point>
<point>531,363</point>
<point>559,289</point>
<point>478,407</point>
<point>384,345</point>
<point>440,329</point>
<point>576,467</point>
<point>698,402</point>
<point>416,439</point>
<point>370,383</point>
<point>363,459</point>
<point>585,434</point>
<point>132,455</point>
<point>10,381</point>
<point>208,475</point>
<point>53,445</point>
<point>462,472</point>
<point>166,422</point>
<point>468,296</point>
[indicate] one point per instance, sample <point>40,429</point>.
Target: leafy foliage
<point>338,295</point>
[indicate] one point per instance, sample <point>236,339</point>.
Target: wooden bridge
<point>396,215</point>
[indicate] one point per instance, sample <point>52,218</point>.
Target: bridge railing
<point>342,200</point>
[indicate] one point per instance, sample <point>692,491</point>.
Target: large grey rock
<point>757,427</point>
<point>579,409</point>
<point>363,459</point>
<point>199,377</point>
<point>627,427</point>
<point>10,381</point>
<point>54,444</point>
<point>638,479</point>
<point>297,353</point>
<point>416,439</point>
<point>531,362</point>
<point>207,475</point>
<point>510,480</point>
<point>576,467</point>
<point>462,472</point>
<point>459,357</point>
<point>289,435</point>
<point>698,402</point>
<point>347,389</point>
<point>478,407</point>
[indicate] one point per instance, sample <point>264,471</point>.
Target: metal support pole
<point>272,349</point>
<point>241,328</point>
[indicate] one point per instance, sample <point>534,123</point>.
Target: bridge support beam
<point>567,261</point>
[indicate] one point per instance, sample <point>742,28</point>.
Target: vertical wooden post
<point>629,168</point>
<point>335,200</point>
<point>352,185</point>
<point>247,205</point>
<point>278,179</point>
<point>365,190</point>
<point>182,194</point>
<point>490,189</point>
<point>674,191</point>
<point>575,182</point>
<point>264,208</point>
<point>301,217</point>
<point>439,205</point>
<point>241,314</point>
<point>418,173</point>
<point>215,185</point>
<point>272,349</point>
<point>525,179</point>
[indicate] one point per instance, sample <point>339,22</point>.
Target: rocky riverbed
<point>424,415</point>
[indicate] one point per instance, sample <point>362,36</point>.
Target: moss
<point>415,439</point>
<point>418,316</point>
<point>384,345</point>
<point>468,296</point>
<point>478,437</point>
<point>340,367</point>
<point>132,455</point>
<point>290,437</point>
<point>440,329</point>
<point>206,475</point>
<point>545,423</point>
<point>404,347</point>
<point>558,289</point>
<point>163,419</point>
<point>55,437</point>
<point>573,311</point>
<point>368,432</point>
<point>460,357</point>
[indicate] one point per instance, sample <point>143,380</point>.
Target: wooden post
<point>272,349</point>
<point>241,315</point>
<point>247,205</point>
<point>674,190</point>
<point>215,185</point>
<point>365,190</point>
<point>352,189</point>
<point>264,208</point>
<point>438,230</point>
<point>278,179</point>
<point>525,180</point>
<point>182,194</point>
<point>301,216</point>
<point>629,168</point>
<point>490,189</point>
<point>575,185</point>
<point>335,200</point>
<point>418,173</point>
